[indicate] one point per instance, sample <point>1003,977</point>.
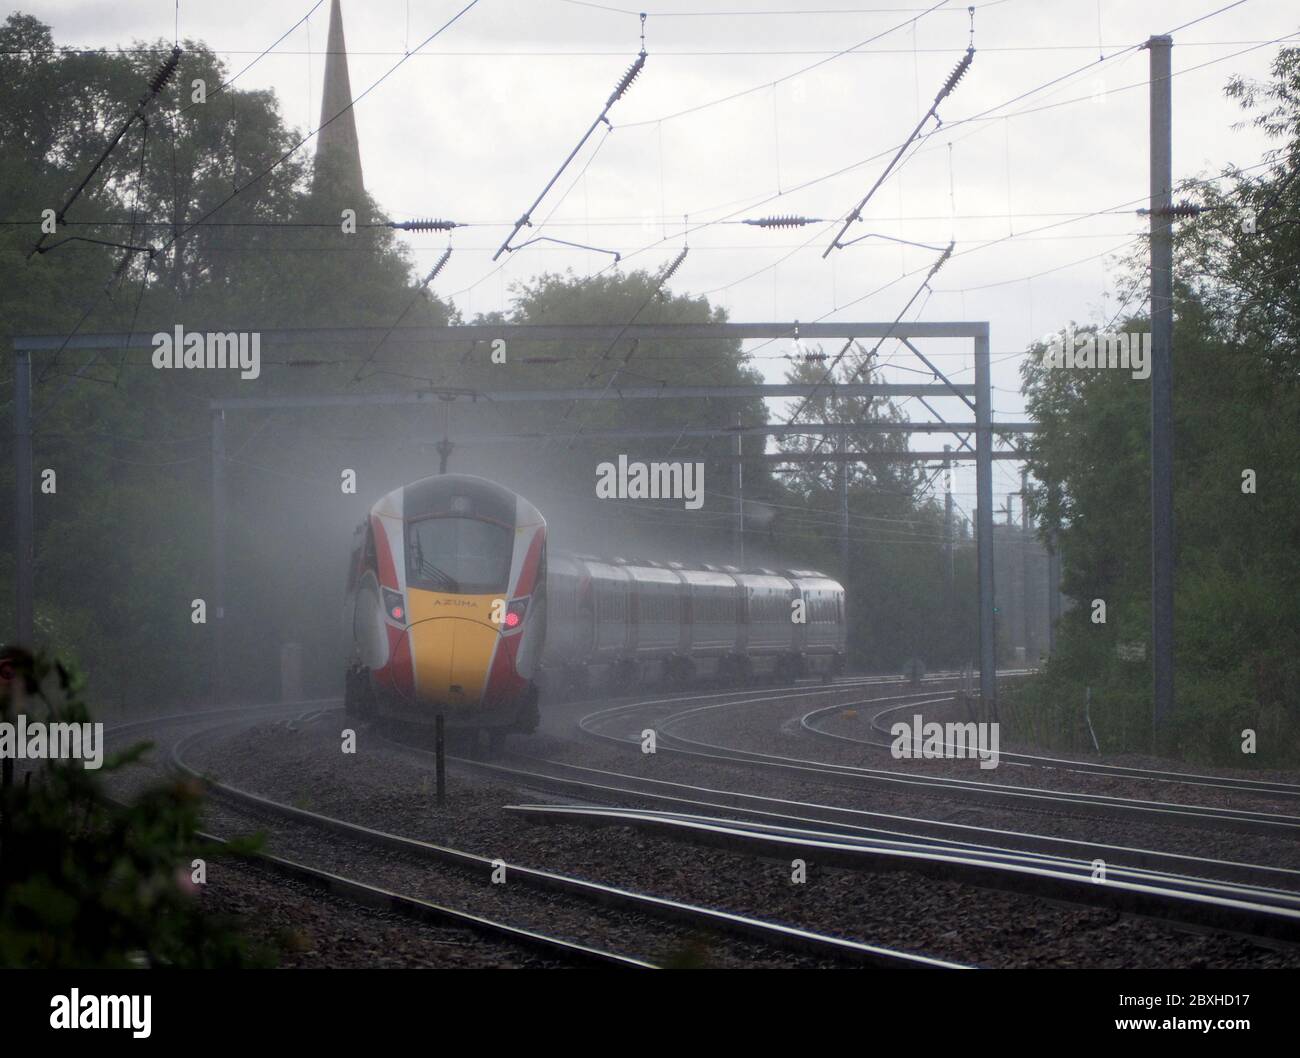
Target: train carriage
<point>570,622</point>
<point>768,621</point>
<point>641,621</point>
<point>713,640</point>
<point>819,639</point>
<point>610,600</point>
<point>658,621</point>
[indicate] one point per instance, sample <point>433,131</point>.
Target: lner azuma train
<point>452,610</point>
<point>446,605</point>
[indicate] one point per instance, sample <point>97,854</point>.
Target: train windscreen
<point>462,556</point>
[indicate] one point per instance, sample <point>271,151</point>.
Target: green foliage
<point>900,604</point>
<point>86,883</point>
<point>125,543</point>
<point>1236,408</point>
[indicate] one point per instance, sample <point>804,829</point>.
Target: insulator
<point>431,224</point>
<point>957,74</point>
<point>668,274</point>
<point>1182,209</point>
<point>943,258</point>
<point>781,222</point>
<point>433,272</point>
<point>165,72</point>
<point>627,80</point>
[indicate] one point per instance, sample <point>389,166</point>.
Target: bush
<point>89,883</point>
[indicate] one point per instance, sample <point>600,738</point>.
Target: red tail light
<point>394,605</point>
<point>514,616</point>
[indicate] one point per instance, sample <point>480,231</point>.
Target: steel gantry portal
<point>977,397</point>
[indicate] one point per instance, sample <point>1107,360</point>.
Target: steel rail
<point>413,907</point>
<point>995,793</point>
<point>788,937</point>
<point>269,710</point>
<point>422,910</point>
<point>1204,906</point>
<point>765,695</point>
<point>1255,786</point>
<point>1135,858</point>
<point>1075,867</point>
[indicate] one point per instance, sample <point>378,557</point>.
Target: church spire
<point>338,154</point>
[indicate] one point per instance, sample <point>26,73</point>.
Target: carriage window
<point>610,602</point>
<point>461,555</point>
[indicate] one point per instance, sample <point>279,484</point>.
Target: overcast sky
<point>473,124</point>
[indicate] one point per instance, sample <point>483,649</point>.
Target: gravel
<point>382,786</point>
<point>305,928</point>
<point>772,727</point>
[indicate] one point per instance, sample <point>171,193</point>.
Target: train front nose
<point>452,656</point>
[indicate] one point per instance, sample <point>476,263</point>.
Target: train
<point>445,607</point>
<point>637,621</point>
<point>453,609</point>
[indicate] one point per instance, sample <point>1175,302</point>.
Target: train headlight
<point>394,605</point>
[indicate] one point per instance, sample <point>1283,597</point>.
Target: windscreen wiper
<point>428,569</point>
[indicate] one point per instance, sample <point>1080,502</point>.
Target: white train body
<point>644,621</point>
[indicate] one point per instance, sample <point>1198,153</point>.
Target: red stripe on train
<point>384,553</point>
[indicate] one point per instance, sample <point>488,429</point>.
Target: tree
<point>123,542</point>
<point>1237,409</point>
<point>895,581</point>
<point>89,883</point>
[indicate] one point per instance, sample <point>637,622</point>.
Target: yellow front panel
<point>452,640</point>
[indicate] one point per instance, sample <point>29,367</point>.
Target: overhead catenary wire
<point>855,214</point>
<point>974,249</point>
<point>759,13</point>
<point>257,178</point>
<point>552,53</point>
<point>790,76</point>
<point>182,231</point>
<point>156,84</point>
<point>830,370</point>
<point>260,56</point>
<point>979,117</point>
<point>418,225</point>
<point>625,82</point>
<point>411,303</point>
<point>660,282</point>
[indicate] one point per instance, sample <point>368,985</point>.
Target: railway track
<point>367,894</point>
<point>692,916</point>
<point>1250,910</point>
<point>421,910</point>
<point>809,722</point>
<point>665,718</point>
<point>580,781</point>
<point>1234,897</point>
<point>1146,882</point>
